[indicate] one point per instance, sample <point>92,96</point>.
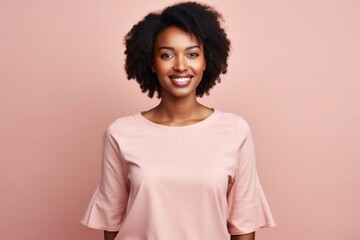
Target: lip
<point>180,80</point>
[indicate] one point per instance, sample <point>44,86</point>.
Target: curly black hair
<point>199,20</point>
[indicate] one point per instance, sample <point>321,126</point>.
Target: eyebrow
<point>173,49</point>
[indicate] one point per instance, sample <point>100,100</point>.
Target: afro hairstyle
<point>197,19</point>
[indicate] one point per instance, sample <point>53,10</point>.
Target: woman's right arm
<point>109,235</point>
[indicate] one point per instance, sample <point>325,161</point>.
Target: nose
<point>180,64</point>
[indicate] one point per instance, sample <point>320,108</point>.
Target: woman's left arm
<point>249,236</point>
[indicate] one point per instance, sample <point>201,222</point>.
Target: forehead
<point>175,37</point>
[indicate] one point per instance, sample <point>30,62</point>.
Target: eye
<point>193,55</point>
<point>166,56</point>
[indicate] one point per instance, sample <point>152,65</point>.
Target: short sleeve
<point>248,209</point>
<point>108,204</point>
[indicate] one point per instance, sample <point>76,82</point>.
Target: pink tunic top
<point>191,182</point>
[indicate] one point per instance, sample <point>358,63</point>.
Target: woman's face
<point>178,62</point>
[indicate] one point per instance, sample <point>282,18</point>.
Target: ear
<point>153,68</point>
<point>204,66</point>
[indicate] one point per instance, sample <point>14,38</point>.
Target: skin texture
<point>177,53</point>
<point>109,235</point>
<point>249,236</point>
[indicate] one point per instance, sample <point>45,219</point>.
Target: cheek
<point>199,66</point>
<point>162,66</point>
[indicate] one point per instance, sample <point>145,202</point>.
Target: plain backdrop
<point>293,76</point>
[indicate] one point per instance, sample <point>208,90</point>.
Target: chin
<point>180,94</point>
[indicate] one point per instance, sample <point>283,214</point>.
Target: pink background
<point>293,75</point>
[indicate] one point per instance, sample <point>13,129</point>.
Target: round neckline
<point>208,120</point>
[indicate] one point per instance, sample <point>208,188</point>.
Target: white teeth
<point>181,79</point>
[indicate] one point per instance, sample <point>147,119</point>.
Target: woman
<point>181,170</point>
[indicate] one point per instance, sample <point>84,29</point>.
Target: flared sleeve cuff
<point>108,205</point>
<point>100,215</point>
<point>248,206</point>
<point>256,215</point>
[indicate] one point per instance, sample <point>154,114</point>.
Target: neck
<point>178,108</point>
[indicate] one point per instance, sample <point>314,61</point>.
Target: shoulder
<point>122,124</point>
<point>236,119</point>
<point>236,126</point>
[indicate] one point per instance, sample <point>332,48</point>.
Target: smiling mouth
<point>181,81</point>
